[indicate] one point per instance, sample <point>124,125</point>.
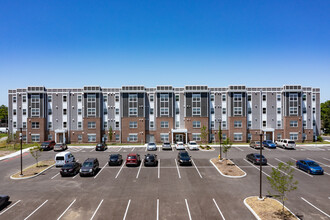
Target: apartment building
<point>139,114</point>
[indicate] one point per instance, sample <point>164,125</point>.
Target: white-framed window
<point>14,111</point>
<point>196,124</point>
<point>304,97</point>
<point>314,110</point>
<point>35,125</point>
<point>164,104</point>
<point>64,111</point>
<point>238,104</point>
<point>79,138</point>
<point>151,124</point>
<point>212,124</point>
<point>224,111</point>
<point>212,111</point>
<point>91,137</point>
<point>133,124</point>
<point>249,97</point>
<point>117,98</point>
<point>264,123</point>
<point>249,136</point>
<point>278,110</point>
<point>50,112</point>
<point>79,111</point>
<point>132,111</point>
<point>14,99</point>
<point>117,111</point>
<point>164,124</point>
<point>151,111</point>
<point>35,112</point>
<point>79,124</point>
<point>14,124</point>
<point>177,98</point>
<point>35,137</point>
<point>264,97</point>
<point>237,124</point>
<point>79,99</point>
<point>64,124</point>
<point>105,111</point>
<point>278,97</point>
<point>238,137</point>
<point>177,111</point>
<point>132,98</point>
<point>196,111</point>
<point>24,138</point>
<point>164,137</point>
<point>293,104</point>
<point>49,98</point>
<point>105,98</point>
<point>133,137</point>
<point>196,104</point>
<point>224,137</point>
<point>224,124</point>
<point>91,105</point>
<point>223,97</point>
<point>293,136</point>
<point>117,137</point>
<point>105,125</point>
<point>151,98</point>
<point>264,110</point>
<point>212,137</point>
<point>314,97</point>
<point>279,136</point>
<point>91,112</point>
<point>24,98</point>
<point>163,111</point>
<point>237,111</point>
<point>304,123</point>
<point>249,110</point>
<point>50,137</point>
<point>279,123</point>
<point>177,124</point>
<point>64,98</point>
<point>249,124</point>
<point>50,124</point>
<point>91,124</point>
<point>117,124</point>
<point>196,136</point>
<point>212,97</point>
<point>293,123</point>
<point>24,124</point>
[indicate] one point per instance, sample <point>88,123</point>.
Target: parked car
<point>150,160</point>
<point>70,169</point>
<point>309,166</point>
<point>4,200</point>
<point>278,143</point>
<point>269,144</point>
<point>133,159</point>
<point>115,159</point>
<point>60,147</point>
<point>180,146</point>
<point>287,143</point>
<point>101,146</point>
<point>184,158</point>
<point>48,145</point>
<point>255,144</point>
<point>167,146</point>
<point>255,158</point>
<point>63,158</point>
<point>89,167</point>
<point>192,145</point>
<point>151,146</point>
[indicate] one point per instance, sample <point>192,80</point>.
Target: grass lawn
<point>3,135</point>
<point>15,147</point>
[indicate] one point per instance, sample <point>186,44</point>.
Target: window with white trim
<point>151,111</point>
<point>164,104</point>
<point>14,124</point>
<point>177,98</point>
<point>24,124</point>
<point>117,124</point>
<point>14,99</point>
<point>151,124</point>
<point>293,123</point>
<point>105,98</point>
<point>151,98</point>
<point>50,137</point>
<point>133,104</point>
<point>212,124</point>
<point>278,96</point>
<point>223,97</point>
<point>293,104</point>
<point>196,104</point>
<point>117,137</point>
<point>35,137</point>
<point>278,110</point>
<point>79,137</point>
<point>117,111</point>
<point>117,98</point>
<point>264,123</point>
<point>105,125</point>
<point>279,136</point>
<point>177,124</point>
<point>133,124</point>
<point>224,110</point>
<point>304,123</point>
<point>249,124</point>
<point>91,105</point>
<point>35,105</point>
<point>212,97</point>
<point>293,136</point>
<point>133,137</point>
<point>196,137</point>
<point>164,137</point>
<point>24,98</point>
<point>79,98</point>
<point>64,98</point>
<point>50,124</point>
<point>279,123</point>
<point>64,124</point>
<point>91,124</point>
<point>91,137</point>
<point>79,124</point>
<point>35,125</point>
<point>196,124</point>
<point>79,111</point>
<point>237,104</point>
<point>237,124</point>
<point>164,124</point>
<point>14,111</point>
<point>238,137</point>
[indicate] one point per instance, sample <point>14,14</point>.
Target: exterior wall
<point>161,130</point>
<point>189,126</point>
<point>289,129</point>
<point>126,130</point>
<point>41,130</point>
<point>96,130</point>
<point>233,130</point>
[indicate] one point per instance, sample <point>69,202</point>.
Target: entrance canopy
<point>61,133</point>
<point>269,131</point>
<point>180,131</point>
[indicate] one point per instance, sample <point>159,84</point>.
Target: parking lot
<point>167,191</point>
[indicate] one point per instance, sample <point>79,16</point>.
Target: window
<point>263,110</point>
<point>293,123</point>
<point>151,111</point>
<point>278,110</point>
<point>237,111</point>
<point>212,124</point>
<point>105,125</point>
<point>24,124</point>
<point>14,111</point>
<point>91,124</point>
<point>224,97</point>
<point>164,104</point>
<point>224,111</point>
<point>314,122</point>
<point>293,104</point>
<point>117,111</point>
<point>105,111</point>
<point>151,124</point>
<point>132,111</point>
<point>79,111</point>
<point>304,110</point>
<point>35,137</point>
<point>117,137</point>
<point>151,98</point>
<point>264,123</point>
<point>164,124</point>
<point>212,137</point>
<point>50,124</point>
<point>64,111</point>
<point>264,97</point>
<point>177,111</point>
<point>14,124</point>
<point>79,98</point>
<point>279,136</point>
<point>24,98</point>
<point>14,99</point>
<point>249,124</point>
<point>278,97</point>
<point>249,97</point>
<point>196,137</point>
<point>293,136</point>
<point>50,112</point>
<point>79,137</point>
<point>133,124</point>
<point>304,97</point>
<point>49,98</point>
<point>224,124</point>
<point>196,124</point>
<point>212,111</point>
<point>50,137</point>
<point>64,124</point>
<point>117,124</point>
<point>249,136</point>
<point>196,104</point>
<point>304,123</point>
<point>24,138</point>
<point>79,124</point>
<point>293,110</point>
<point>117,98</point>
<point>238,136</point>
<point>249,110</point>
<point>105,98</point>
<point>35,108</point>
<point>237,124</point>
<point>91,137</point>
<point>64,98</point>
<point>224,137</point>
<point>164,138</point>
<point>212,97</point>
<point>237,104</point>
<point>279,123</point>
<point>177,98</point>
<point>314,98</point>
<point>177,124</point>
<point>91,105</point>
<point>91,112</point>
<point>314,110</point>
<point>35,125</point>
<point>133,137</point>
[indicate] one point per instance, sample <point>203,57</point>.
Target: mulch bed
<point>227,167</point>
<point>34,169</point>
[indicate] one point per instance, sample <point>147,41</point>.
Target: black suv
<point>48,145</point>
<point>115,159</point>
<point>184,158</point>
<point>101,146</point>
<point>89,167</point>
<point>70,169</point>
<point>150,160</point>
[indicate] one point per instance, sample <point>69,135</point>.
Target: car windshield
<point>291,142</point>
<point>166,143</point>
<point>58,145</point>
<point>269,142</point>
<point>68,165</point>
<point>60,158</point>
<point>151,157</point>
<point>99,145</point>
<point>114,157</point>
<point>257,142</point>
<point>312,164</point>
<point>184,155</point>
<point>193,143</point>
<point>258,156</point>
<point>152,144</point>
<point>88,164</point>
<point>45,143</point>
<point>131,157</point>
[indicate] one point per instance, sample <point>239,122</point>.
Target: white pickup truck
<point>3,130</point>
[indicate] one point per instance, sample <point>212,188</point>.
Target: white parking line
<point>55,176</point>
<point>176,163</point>
<point>158,168</point>
<point>92,150</point>
<point>120,170</point>
<point>100,170</point>
<point>294,167</point>
<point>239,148</point>
<point>129,201</point>
<point>133,148</point>
<point>316,207</point>
<point>145,149</point>
<point>96,210</point>
<point>10,207</point>
<point>326,159</point>
<point>66,209</point>
<point>276,167</point>
<point>256,167</point>
<point>36,210</point>
<point>280,149</point>
<point>218,209</point>
<point>196,168</point>
<point>157,209</point>
<point>137,175</point>
<point>188,209</point>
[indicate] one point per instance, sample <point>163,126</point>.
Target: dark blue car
<point>269,144</point>
<point>309,166</point>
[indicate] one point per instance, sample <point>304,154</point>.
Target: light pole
<point>21,140</point>
<point>260,165</point>
<point>220,137</point>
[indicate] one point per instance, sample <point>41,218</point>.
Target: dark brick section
<point>191,130</point>
<point>126,130</point>
<point>41,130</point>
<point>232,129</point>
<point>97,130</point>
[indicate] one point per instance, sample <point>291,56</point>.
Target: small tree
<point>110,133</point>
<point>36,153</point>
<point>204,134</point>
<point>226,147</point>
<point>281,180</point>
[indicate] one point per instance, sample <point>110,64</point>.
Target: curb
<point>29,177</point>
<point>15,154</point>
<point>206,150</point>
<point>234,177</point>
<point>256,215</point>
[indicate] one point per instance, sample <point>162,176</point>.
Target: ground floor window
<point>164,138</point>
<point>212,137</point>
<point>133,137</point>
<point>91,137</point>
<point>249,137</point>
<point>117,137</point>
<point>79,138</point>
<point>224,137</point>
<point>35,137</point>
<point>24,138</point>
<point>279,136</point>
<point>196,137</point>
<point>105,137</point>
<point>294,136</point>
<point>238,137</point>
<point>50,137</point>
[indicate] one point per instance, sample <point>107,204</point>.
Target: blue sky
<point>69,44</point>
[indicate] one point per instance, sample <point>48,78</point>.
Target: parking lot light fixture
<point>260,165</point>
<point>21,140</point>
<point>220,137</point>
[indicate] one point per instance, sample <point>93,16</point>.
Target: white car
<point>287,143</point>
<point>180,146</point>
<point>193,145</point>
<point>151,146</point>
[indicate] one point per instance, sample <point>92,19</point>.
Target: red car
<point>48,145</point>
<point>133,160</point>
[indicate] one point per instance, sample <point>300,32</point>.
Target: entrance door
<point>60,136</point>
<point>179,138</point>
<point>269,136</point>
